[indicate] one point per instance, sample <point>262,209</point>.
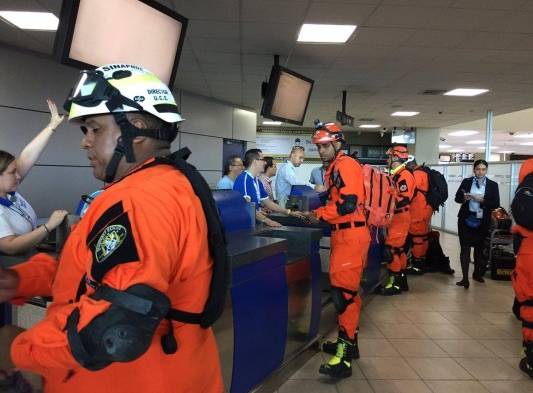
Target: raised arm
<point>31,153</point>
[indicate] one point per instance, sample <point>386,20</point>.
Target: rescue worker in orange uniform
<point>135,267</point>
<point>395,242</point>
<point>350,240</point>
<point>522,278</point>
<point>421,212</point>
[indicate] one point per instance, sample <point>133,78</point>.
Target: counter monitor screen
<point>92,33</point>
<point>404,136</point>
<point>287,96</point>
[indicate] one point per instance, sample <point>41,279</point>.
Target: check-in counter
<point>273,308</point>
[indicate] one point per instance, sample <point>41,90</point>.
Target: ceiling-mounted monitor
<point>407,136</point>
<point>287,96</point>
<point>92,33</point>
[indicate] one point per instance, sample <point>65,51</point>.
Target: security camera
<point>442,139</point>
<point>384,129</point>
<point>511,133</point>
<point>381,134</point>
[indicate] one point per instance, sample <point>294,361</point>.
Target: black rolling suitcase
<point>502,264</point>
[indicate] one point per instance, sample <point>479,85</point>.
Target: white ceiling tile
<point>268,11</point>
<point>338,13</point>
<point>220,10</point>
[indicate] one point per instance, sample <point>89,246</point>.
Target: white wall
<point>62,173</point>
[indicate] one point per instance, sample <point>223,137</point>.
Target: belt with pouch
<point>346,225</point>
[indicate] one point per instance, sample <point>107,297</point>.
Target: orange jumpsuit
<point>349,246</point>
<point>399,228</point>
<point>421,213</point>
<point>523,273</point>
<point>164,245</point>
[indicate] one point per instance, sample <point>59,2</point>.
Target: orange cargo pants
<point>523,287</point>
<point>419,228</point>
<point>349,249</point>
<point>396,237</point>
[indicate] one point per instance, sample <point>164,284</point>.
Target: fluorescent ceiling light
<point>404,113</point>
<point>456,151</point>
<point>332,34</point>
<point>445,146</point>
<point>526,144</point>
<point>31,20</point>
<point>463,133</point>
<point>492,147</point>
<point>369,126</point>
<point>507,151</point>
<point>271,123</point>
<point>476,142</point>
<point>528,135</point>
<point>465,92</point>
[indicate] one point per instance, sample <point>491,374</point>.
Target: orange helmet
<point>327,132</point>
<point>399,152</point>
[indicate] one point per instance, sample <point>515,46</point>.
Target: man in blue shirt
<point>286,176</point>
<point>252,189</point>
<point>232,168</point>
<point>318,174</point>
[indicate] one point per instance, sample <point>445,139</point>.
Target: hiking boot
<point>416,266</point>
<point>392,286</point>
<point>526,364</point>
<point>331,347</point>
<point>402,280</point>
<point>340,365</point>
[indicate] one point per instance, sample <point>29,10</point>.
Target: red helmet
<point>398,151</point>
<point>327,132</point>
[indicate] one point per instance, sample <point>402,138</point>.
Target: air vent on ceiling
<point>433,92</point>
<point>366,119</point>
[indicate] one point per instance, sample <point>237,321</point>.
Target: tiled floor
<point>437,338</point>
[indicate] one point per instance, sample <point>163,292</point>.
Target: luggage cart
<point>500,239</point>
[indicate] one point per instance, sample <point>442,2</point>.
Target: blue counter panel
<point>316,272</point>
<point>259,297</point>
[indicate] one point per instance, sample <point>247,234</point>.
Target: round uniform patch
<point>403,188</point>
<point>111,239</point>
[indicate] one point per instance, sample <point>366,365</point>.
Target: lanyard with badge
<point>9,202</point>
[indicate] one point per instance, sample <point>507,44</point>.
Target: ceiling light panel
<point>462,92</point>
<point>31,20</point>
<point>325,34</point>
<point>463,133</point>
<point>405,113</point>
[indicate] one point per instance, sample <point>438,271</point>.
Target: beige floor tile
<point>322,385</point>
<point>438,368</point>
<point>354,385</point>
<point>504,348</point>
<point>513,362</point>
<point>386,368</point>
<point>465,348</point>
<point>509,386</point>
<point>461,318</point>
<point>368,330</point>
<point>500,318</point>
<point>456,386</point>
<point>480,331</point>
<point>415,305</point>
<point>399,386</point>
<point>380,317</point>
<point>418,348</point>
<point>444,331</point>
<point>401,330</point>
<point>490,369</point>
<point>425,317</point>
<point>376,347</point>
<point>310,369</point>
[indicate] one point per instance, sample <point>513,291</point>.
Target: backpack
<point>437,192</point>
<point>380,196</point>
<point>522,205</point>
<point>436,260</point>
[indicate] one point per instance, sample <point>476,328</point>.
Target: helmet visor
<point>90,90</point>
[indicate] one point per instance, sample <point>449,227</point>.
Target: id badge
<point>479,214</point>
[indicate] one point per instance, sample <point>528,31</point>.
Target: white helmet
<point>121,88</point>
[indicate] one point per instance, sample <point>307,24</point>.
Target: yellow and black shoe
<point>340,365</point>
<point>331,348</point>
<point>392,286</point>
<point>402,281</point>
<point>526,364</point>
<point>416,267</point>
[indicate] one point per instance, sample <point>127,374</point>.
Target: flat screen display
<point>92,33</point>
<point>287,96</point>
<point>404,136</point>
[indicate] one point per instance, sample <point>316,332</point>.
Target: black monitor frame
<point>67,22</point>
<point>270,94</point>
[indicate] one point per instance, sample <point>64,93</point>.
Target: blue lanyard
<point>10,204</point>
